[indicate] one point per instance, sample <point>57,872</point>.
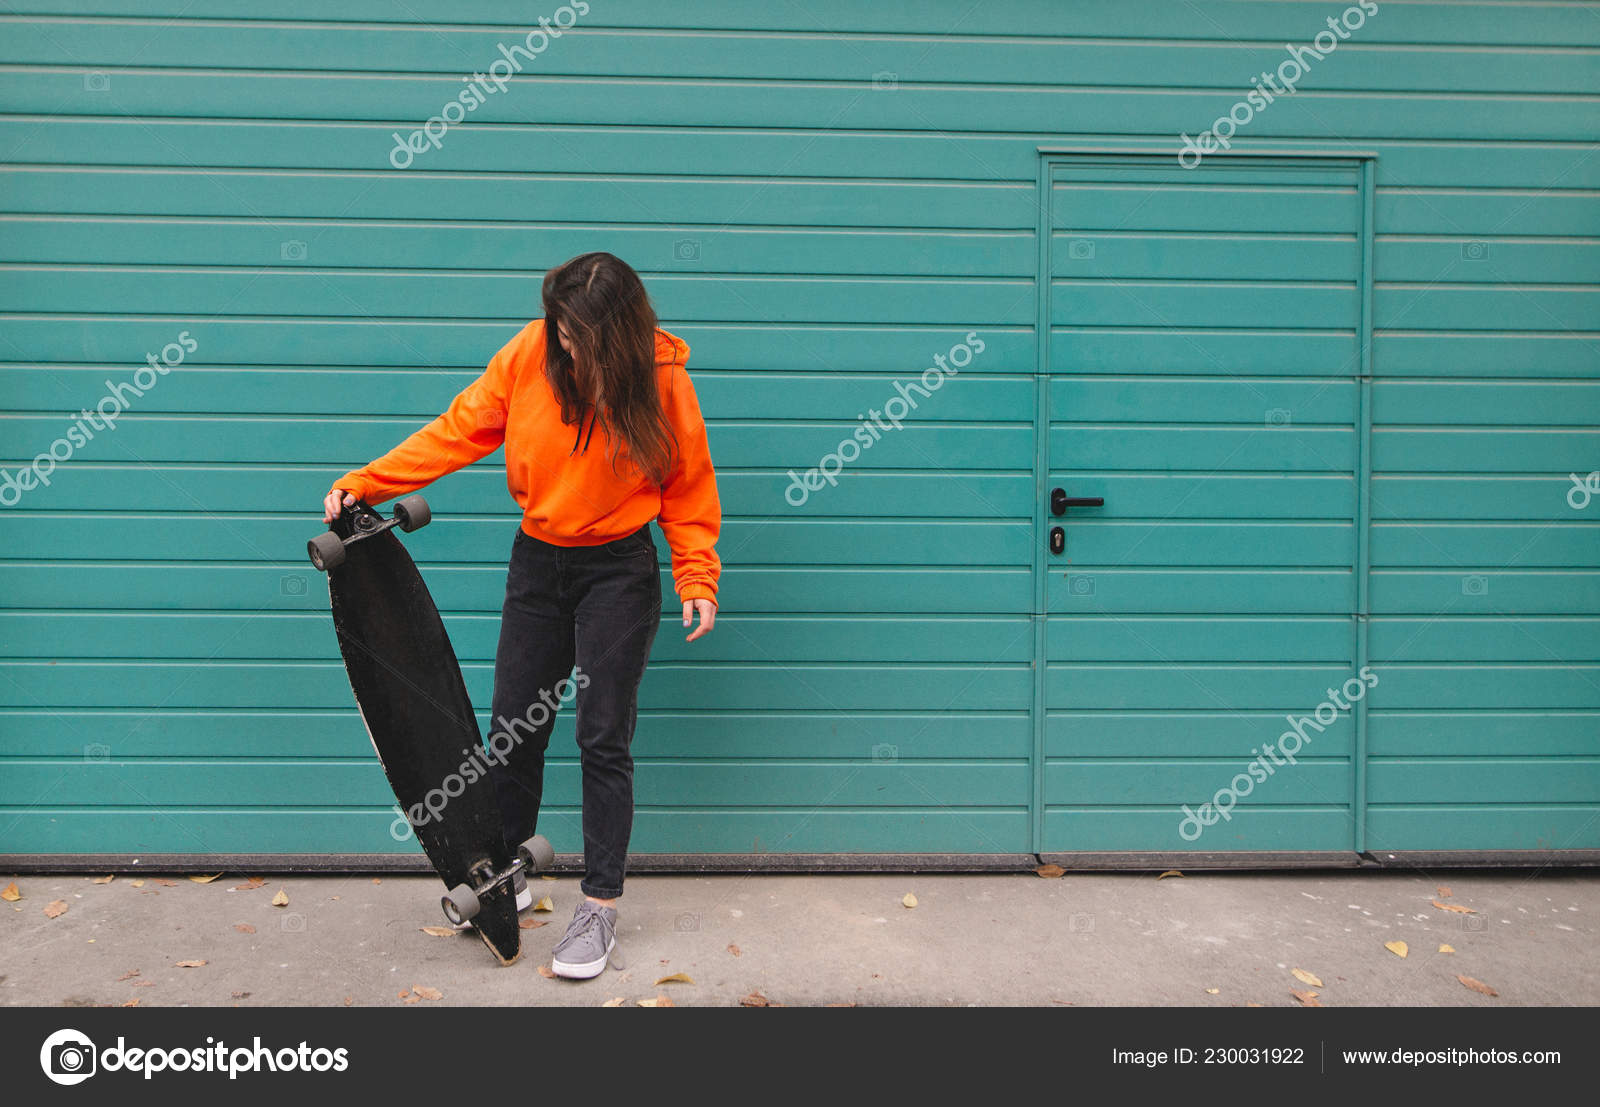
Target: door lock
<point>1058,540</point>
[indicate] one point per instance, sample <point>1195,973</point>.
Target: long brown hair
<point>612,382</point>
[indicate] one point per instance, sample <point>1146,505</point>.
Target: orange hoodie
<point>569,493</point>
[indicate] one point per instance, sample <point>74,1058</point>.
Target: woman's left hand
<point>708,617</point>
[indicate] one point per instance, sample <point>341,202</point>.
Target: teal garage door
<point>1205,345</point>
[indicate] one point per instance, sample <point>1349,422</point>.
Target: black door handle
<point>1060,501</point>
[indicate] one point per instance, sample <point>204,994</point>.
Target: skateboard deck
<point>412,698</point>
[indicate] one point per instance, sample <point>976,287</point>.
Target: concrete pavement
<point>1208,939</point>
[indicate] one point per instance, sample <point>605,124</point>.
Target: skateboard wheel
<point>326,550</point>
<point>537,853</point>
<point>412,513</point>
<point>460,904</point>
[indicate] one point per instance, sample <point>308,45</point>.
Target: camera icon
<point>292,924</point>
<point>686,921</point>
<point>1474,922</point>
<point>883,751</point>
<point>491,418</point>
<point>1278,417</point>
<point>1080,586</point>
<point>1474,251</point>
<point>292,585</point>
<point>1474,585</point>
<point>292,250</point>
<point>96,82</point>
<point>1080,249</point>
<point>97,751</point>
<point>686,249</point>
<point>883,79</point>
<point>1080,923</point>
<point>68,1057</point>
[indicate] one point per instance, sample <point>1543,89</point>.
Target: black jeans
<point>596,607</point>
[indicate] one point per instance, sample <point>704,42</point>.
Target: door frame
<point>1049,157</point>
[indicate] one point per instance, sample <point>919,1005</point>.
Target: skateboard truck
<point>461,902</point>
<point>327,550</point>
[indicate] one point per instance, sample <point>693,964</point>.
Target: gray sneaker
<point>583,952</point>
<point>519,885</point>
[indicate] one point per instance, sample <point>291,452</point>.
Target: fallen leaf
<point>426,992</point>
<point>1252,1005</point>
<point>676,978</point>
<point>547,972</point>
<point>1212,991</point>
<point>1477,985</point>
<point>1169,872</point>
<point>136,884</point>
<point>411,999</point>
<point>1306,977</point>
<point>129,975</point>
<point>376,880</point>
<point>1444,891</point>
<point>1397,947</point>
<point>755,999</point>
<point>1049,872</point>
<point>660,1001</point>
<point>244,928</point>
<point>55,909</point>
<point>164,882</point>
<point>250,884</point>
<point>838,1005</point>
<point>239,995</point>
<point>348,1000</point>
<point>440,931</point>
<point>614,1001</point>
<point>131,1003</point>
<point>10,892</point>
<point>545,904</point>
<point>909,900</point>
<point>533,924</point>
<point>1447,948</point>
<point>188,964</point>
<point>1307,999</point>
<point>107,879</point>
<point>733,949</point>
<point>281,899</point>
<point>404,994</point>
<point>143,984</point>
<point>1456,907</point>
<point>205,879</point>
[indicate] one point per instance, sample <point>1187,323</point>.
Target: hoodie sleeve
<point>691,513</point>
<point>473,426</point>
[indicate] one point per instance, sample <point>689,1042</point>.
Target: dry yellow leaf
<point>251,883</point>
<point>755,999</point>
<point>281,899</point>
<point>533,924</point>
<point>244,928</point>
<point>55,909</point>
<point>426,992</point>
<point>1447,948</point>
<point>1169,872</point>
<point>188,964</point>
<point>733,949</point>
<point>1050,871</point>
<point>545,904</point>
<point>1456,907</point>
<point>107,879</point>
<point>614,1001</point>
<point>10,893</point>
<point>131,1003</point>
<point>547,876</point>
<point>1306,977</point>
<point>1444,891</point>
<point>136,884</point>
<point>129,975</point>
<point>547,972</point>
<point>410,998</point>
<point>1307,999</point>
<point>348,1000</point>
<point>676,978</point>
<point>660,1001</point>
<point>1477,985</point>
<point>1212,991</point>
<point>205,879</point>
<point>1398,948</point>
<point>909,900</point>
<point>440,931</point>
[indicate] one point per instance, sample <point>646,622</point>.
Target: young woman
<point>602,433</point>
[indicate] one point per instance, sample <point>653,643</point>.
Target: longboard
<point>409,690</point>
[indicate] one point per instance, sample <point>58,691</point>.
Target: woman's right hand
<point>330,505</point>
